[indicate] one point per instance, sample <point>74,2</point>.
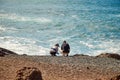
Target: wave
<point>97,47</point>
<point>7,29</point>
<point>117,15</point>
<point>16,17</point>
<point>35,47</point>
<point>2,28</point>
<point>22,46</point>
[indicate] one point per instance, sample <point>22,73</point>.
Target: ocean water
<point>32,26</point>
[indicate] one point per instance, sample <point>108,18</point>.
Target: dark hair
<point>64,41</point>
<point>57,44</point>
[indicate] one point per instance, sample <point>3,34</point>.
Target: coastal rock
<point>80,55</point>
<point>4,52</point>
<point>24,54</point>
<point>110,55</point>
<point>28,73</point>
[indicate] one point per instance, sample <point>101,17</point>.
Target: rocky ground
<point>80,67</point>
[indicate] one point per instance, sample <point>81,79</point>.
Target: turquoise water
<point>33,26</point>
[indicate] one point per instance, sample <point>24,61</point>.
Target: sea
<point>32,27</point>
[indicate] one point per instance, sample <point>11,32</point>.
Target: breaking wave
<point>15,17</point>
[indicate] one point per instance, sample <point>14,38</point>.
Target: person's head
<point>64,41</point>
<point>57,45</point>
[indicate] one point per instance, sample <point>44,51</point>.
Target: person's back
<point>65,48</point>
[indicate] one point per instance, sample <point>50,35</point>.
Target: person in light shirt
<point>54,50</point>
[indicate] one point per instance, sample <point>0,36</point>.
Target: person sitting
<point>65,48</point>
<point>54,50</point>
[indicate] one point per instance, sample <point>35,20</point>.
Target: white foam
<point>62,14</point>
<point>87,44</point>
<point>22,18</point>
<point>108,46</point>
<point>30,47</point>
<point>111,46</point>
<point>74,16</point>
<point>117,15</point>
<point>22,46</point>
<point>4,29</point>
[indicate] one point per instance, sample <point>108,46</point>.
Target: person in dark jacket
<point>65,48</point>
<point>54,50</point>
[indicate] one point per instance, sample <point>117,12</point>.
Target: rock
<point>4,52</point>
<point>28,73</point>
<point>116,78</point>
<point>88,68</point>
<point>24,54</point>
<point>80,55</point>
<point>110,55</point>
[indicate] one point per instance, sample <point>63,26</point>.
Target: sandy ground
<point>61,68</point>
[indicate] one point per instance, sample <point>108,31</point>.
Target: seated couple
<point>65,49</point>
